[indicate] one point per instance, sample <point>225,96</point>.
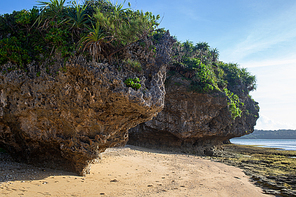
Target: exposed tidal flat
<point>272,169</point>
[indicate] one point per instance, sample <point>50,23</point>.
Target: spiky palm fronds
<point>77,17</point>
<point>93,41</point>
<point>50,11</point>
<point>215,54</point>
<point>53,7</point>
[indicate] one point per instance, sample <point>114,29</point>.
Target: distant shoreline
<point>268,134</point>
<point>282,144</point>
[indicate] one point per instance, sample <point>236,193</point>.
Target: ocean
<point>286,144</point>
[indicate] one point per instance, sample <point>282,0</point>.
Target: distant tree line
<point>271,134</point>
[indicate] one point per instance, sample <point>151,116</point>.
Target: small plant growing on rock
<point>133,83</point>
<point>234,104</point>
<point>136,65</point>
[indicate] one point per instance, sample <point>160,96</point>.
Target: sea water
<point>285,144</point>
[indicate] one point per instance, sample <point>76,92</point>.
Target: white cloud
<point>276,95</point>
<point>266,123</point>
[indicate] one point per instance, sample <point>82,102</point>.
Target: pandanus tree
<point>188,48</point>
<point>97,26</point>
<point>54,10</point>
<point>203,49</point>
<point>77,17</point>
<point>94,41</point>
<point>214,54</point>
<point>123,27</point>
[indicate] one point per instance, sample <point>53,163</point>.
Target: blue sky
<point>259,35</point>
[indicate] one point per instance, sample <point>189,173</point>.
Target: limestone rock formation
<point>195,121</point>
<point>62,115</point>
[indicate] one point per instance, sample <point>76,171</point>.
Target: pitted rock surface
<point>195,121</point>
<point>63,115</point>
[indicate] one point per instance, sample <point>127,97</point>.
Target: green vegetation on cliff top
<point>102,31</point>
<point>97,29</point>
<point>201,66</point>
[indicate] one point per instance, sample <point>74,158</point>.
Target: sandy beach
<point>131,171</point>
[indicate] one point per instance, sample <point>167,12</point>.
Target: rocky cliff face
<point>195,121</point>
<point>63,115</point>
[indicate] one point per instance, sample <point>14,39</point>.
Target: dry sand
<point>132,171</point>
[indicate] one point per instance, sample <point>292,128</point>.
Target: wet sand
<point>131,171</point>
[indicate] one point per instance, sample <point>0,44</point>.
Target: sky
<point>259,35</point>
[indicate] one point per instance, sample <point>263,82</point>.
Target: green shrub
<point>133,83</point>
<point>236,76</point>
<point>234,104</point>
<point>158,34</point>
<point>11,50</point>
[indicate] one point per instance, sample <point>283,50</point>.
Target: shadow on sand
<point>14,171</point>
